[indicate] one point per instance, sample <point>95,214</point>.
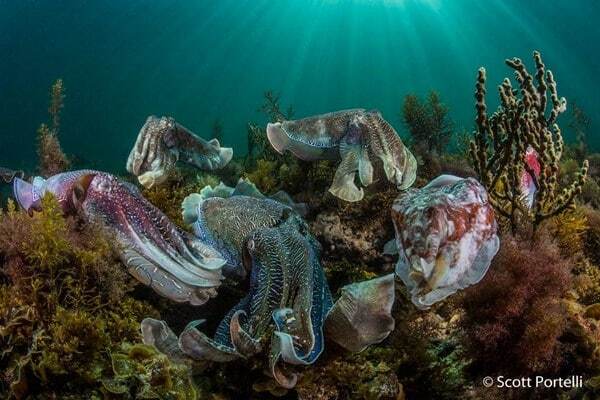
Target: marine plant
<point>216,129</point>
<point>502,141</point>
<point>52,159</point>
<point>428,123</point>
<point>592,236</point>
<point>515,316</point>
<point>272,108</point>
<point>579,124</point>
<point>141,372</point>
<point>65,308</point>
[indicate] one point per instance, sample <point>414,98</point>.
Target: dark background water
<point>202,60</point>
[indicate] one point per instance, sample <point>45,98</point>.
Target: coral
<point>502,141</point>
<point>52,159</point>
<point>64,305</point>
<point>354,236</point>
<point>514,317</point>
<point>428,123</point>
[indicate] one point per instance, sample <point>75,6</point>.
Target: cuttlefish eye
<point>80,189</point>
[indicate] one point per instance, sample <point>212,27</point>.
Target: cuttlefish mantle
<point>361,139</point>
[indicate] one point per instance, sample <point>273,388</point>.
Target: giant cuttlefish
<point>240,234</point>
<point>172,262</point>
<point>289,306</point>
<point>358,137</point>
<point>162,142</point>
<point>446,237</point>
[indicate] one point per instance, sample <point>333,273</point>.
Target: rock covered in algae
<point>162,142</point>
<point>361,139</point>
<point>445,238</point>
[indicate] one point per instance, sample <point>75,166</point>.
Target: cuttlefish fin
<point>390,247</point>
<point>198,346</point>
<point>363,314</point>
<point>482,262</point>
<point>343,185</point>
<point>365,168</point>
<point>281,142</point>
<point>245,187</point>
<point>26,195</point>
<point>157,334</point>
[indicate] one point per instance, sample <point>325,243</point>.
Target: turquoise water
<point>204,60</point>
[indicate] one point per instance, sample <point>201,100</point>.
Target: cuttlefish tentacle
<point>357,137</point>
<point>162,142</point>
<point>288,291</point>
<point>173,262</point>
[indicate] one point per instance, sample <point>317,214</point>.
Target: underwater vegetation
<point>52,159</point>
<point>517,150</point>
<point>273,275</point>
<point>65,311</point>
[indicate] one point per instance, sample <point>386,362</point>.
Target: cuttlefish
<point>162,142</point>
<point>289,308</point>
<point>446,237</point>
<point>361,139</point>
<point>156,252</point>
<point>239,234</point>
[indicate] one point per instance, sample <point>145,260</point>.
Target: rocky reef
<point>272,285</point>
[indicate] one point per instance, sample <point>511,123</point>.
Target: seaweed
<point>52,159</point>
<point>65,305</point>
<point>515,316</point>
<point>428,123</point>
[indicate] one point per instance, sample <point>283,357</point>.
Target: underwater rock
<point>267,239</point>
<point>445,238</point>
<point>157,253</point>
<point>162,142</point>
<point>358,137</point>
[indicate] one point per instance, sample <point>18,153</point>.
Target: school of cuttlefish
<point>446,237</point>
